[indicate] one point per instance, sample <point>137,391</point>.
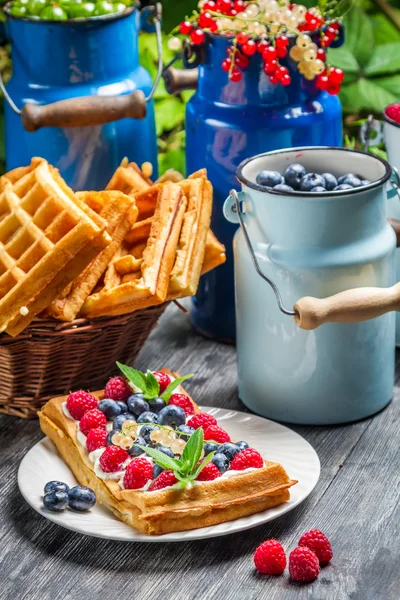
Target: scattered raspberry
<point>113,458</point>
<point>209,472</point>
<point>319,544</point>
<point>96,439</point>
<point>303,564</point>
<point>247,458</point>
<point>92,419</point>
<point>393,112</point>
<point>137,473</point>
<point>216,433</point>
<point>78,403</point>
<point>183,402</point>
<point>165,479</point>
<point>202,420</point>
<point>163,379</point>
<point>117,389</point>
<point>270,558</point>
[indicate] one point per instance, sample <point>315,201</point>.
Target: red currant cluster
<point>312,21</point>
<point>330,80</point>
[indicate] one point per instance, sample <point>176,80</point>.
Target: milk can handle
<point>91,110</point>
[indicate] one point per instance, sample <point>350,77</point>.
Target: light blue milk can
<point>314,245</point>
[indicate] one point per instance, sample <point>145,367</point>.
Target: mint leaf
<point>136,377</point>
<point>194,475</point>
<point>152,387</point>
<point>162,459</point>
<point>166,395</point>
<point>186,467</point>
<point>183,478</point>
<point>194,446</point>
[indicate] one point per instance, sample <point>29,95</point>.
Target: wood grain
<point>355,503</point>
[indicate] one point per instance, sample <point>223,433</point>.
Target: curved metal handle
<point>235,208</point>
<point>91,110</point>
<point>395,183</point>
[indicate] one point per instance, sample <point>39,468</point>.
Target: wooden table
<point>355,503</point>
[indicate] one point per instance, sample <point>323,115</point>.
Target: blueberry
<point>172,415</point>
<point>311,180</point>
<point>185,429</point>
<point>110,408</point>
<point>210,447</point>
<point>330,181</point>
<point>269,178</point>
<point>135,450</point>
<point>117,423</point>
<point>318,188</point>
<point>123,405</point>
<point>230,450</point>
<point>343,178</point>
<point>148,417</point>
<point>242,445</point>
<point>221,461</point>
<point>350,179</point>
<point>55,501</point>
<point>145,432</point>
<point>157,405</point>
<point>55,486</point>
<point>166,451</point>
<point>81,498</point>
<point>157,470</point>
<point>343,186</point>
<point>110,435</point>
<point>294,174</point>
<point>365,182</point>
<point>282,187</point>
<point>137,404</point>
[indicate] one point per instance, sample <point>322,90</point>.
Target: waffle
<point>120,213</point>
<point>43,229</point>
<point>139,273</point>
<point>129,179</point>
<point>170,509</point>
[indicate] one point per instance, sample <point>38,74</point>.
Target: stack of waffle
<point>92,254</point>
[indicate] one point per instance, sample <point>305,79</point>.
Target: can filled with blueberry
<point>314,228</point>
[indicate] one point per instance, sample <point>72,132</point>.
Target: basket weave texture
<point>50,358</point>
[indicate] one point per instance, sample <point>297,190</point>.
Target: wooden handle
<point>178,80</point>
<point>351,306</point>
<point>84,111</point>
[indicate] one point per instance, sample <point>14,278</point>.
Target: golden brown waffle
<point>139,274</point>
<point>43,228</point>
<point>120,213</point>
<point>169,509</point>
<point>128,178</point>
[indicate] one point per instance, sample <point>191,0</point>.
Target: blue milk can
<point>228,122</point>
<point>313,245</point>
<point>92,66</point>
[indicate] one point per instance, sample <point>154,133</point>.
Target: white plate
<point>275,442</point>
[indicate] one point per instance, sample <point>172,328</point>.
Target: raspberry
<point>96,439</point>
<point>303,564</point>
<point>247,458</point>
<point>163,379</point>
<point>92,419</point>
<point>112,459</point>
<point>393,112</point>
<point>202,420</point>
<point>78,403</point>
<point>137,473</point>
<point>183,402</point>
<point>216,433</point>
<point>319,544</point>
<point>209,472</point>
<point>165,479</point>
<point>117,389</point>
<point>270,558</point>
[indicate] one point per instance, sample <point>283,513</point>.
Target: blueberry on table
<point>269,178</point>
<point>282,187</point>
<point>310,181</point>
<point>81,498</point>
<point>148,417</point>
<point>137,404</point>
<point>172,415</point>
<point>55,486</point>
<point>343,186</point>
<point>221,461</point>
<point>118,421</point>
<point>229,449</point>
<point>110,408</point>
<point>55,501</point>
<point>294,174</point>
<point>156,405</point>
<point>135,450</point>
<point>330,181</point>
<point>317,189</point>
<point>242,445</point>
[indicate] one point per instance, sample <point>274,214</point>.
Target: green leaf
<point>173,159</point>
<point>342,58</point>
<point>169,114</point>
<point>152,386</point>
<point>376,151</point>
<point>192,450</point>
<point>183,479</point>
<point>201,466</point>
<point>161,459</point>
<point>359,35</point>
<point>186,467</point>
<point>384,59</point>
<point>384,31</point>
<point>166,395</point>
<point>390,84</point>
<point>136,377</point>
<point>365,95</point>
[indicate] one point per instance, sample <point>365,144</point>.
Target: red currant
<point>242,38</point>
<point>236,75</point>
<point>321,82</point>
<point>331,33</point>
<point>282,41</point>
<point>224,6</point>
<point>273,80</point>
<point>210,5</point>
<point>269,54</point>
<point>185,27</point>
<point>333,88</point>
<point>335,25</point>
<point>321,54</point>
<point>197,36</point>
<point>249,48</point>
<point>336,75</point>
<point>205,20</point>
<point>270,67</point>
<point>312,24</point>
<point>309,16</point>
<point>262,44</point>
<point>232,13</point>
<point>230,51</point>
<point>241,61</point>
<point>281,52</point>
<point>281,72</point>
<point>239,5</point>
<point>286,80</point>
<point>226,64</point>
<point>325,41</point>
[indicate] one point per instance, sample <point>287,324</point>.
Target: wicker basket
<point>51,358</point>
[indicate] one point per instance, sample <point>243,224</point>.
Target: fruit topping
<point>78,403</point>
<point>137,404</point>
<point>303,564</point>
<point>246,459</point>
<point>55,501</point>
<point>92,419</point>
<point>55,486</point>
<point>229,449</point>
<point>164,479</point>
<point>148,417</point>
<point>117,389</point>
<point>216,434</point>
<point>210,447</point>
<point>137,473</point>
<point>110,408</point>
<point>113,458</point>
<point>242,445</point>
<point>185,430</point>
<point>157,404</point>
<point>209,472</point>
<point>172,415</point>
<point>270,558</point>
<point>202,420</point>
<point>163,379</point>
<point>221,461</point>
<point>183,402</point>
<point>135,450</point>
<point>81,498</point>
<point>96,438</point>
<point>120,420</point>
<point>319,544</point>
